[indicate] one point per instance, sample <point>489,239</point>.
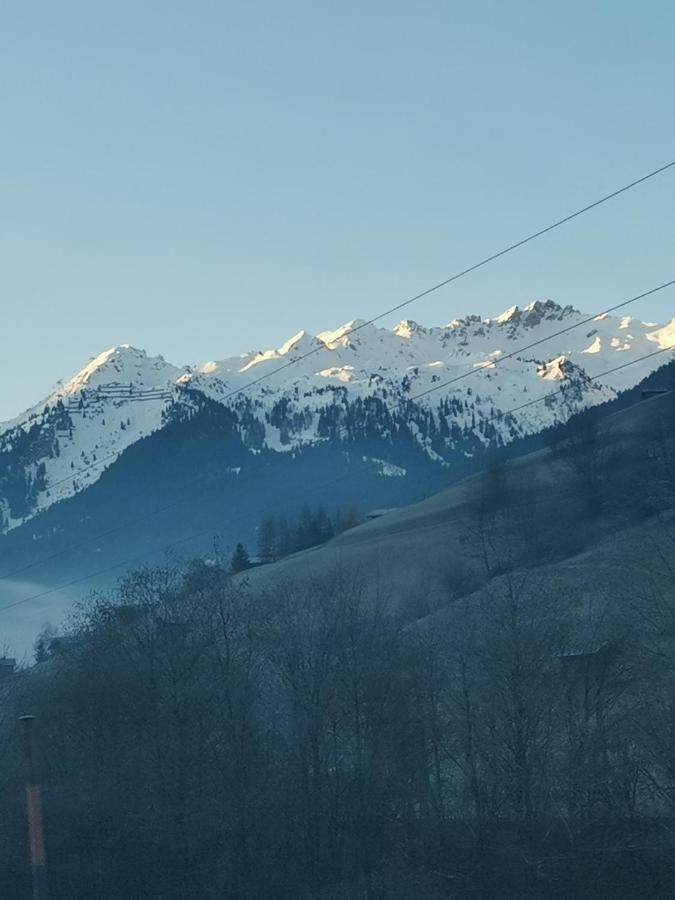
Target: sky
<point>202,178</point>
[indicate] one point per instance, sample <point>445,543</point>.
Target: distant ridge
<point>63,444</point>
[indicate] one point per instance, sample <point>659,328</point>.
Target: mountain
<point>359,416</point>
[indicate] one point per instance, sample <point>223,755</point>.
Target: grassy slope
<point>424,556</point>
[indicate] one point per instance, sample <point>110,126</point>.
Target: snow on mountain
<point>117,398</point>
<point>664,337</point>
<point>64,443</point>
<point>371,360</point>
<point>122,365</point>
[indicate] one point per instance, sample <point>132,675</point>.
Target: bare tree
<point>583,447</point>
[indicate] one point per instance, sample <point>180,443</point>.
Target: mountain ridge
<point>305,391</point>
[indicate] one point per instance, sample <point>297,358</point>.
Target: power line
<point>487,365</point>
<point>203,532</point>
<point>472,268</point>
<point>425,293</point>
<point>625,365</point>
<point>502,414</point>
<point>491,363</point>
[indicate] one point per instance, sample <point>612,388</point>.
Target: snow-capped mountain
<point>446,387</point>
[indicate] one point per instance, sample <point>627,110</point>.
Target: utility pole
<point>34,811</point>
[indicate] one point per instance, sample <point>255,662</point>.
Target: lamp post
<point>34,811</point>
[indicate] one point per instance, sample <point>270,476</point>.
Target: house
<point>378,513</point>
<point>648,393</point>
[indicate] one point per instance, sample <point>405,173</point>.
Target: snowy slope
<point>429,355</point>
<point>63,444</point>
<point>117,398</point>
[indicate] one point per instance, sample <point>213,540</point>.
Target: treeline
<point>199,741</point>
<point>278,535</point>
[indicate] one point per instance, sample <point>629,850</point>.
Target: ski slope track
<point>62,445</point>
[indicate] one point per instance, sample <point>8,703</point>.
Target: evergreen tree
<point>323,526</point>
<point>240,560</point>
<point>268,549</point>
<point>344,520</point>
<point>285,537</point>
<point>306,533</point>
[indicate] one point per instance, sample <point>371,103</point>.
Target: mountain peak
<point>121,364</point>
<point>407,327</point>
<point>292,342</point>
<point>508,315</point>
<point>533,313</point>
<point>332,337</point>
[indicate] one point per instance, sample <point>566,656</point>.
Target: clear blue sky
<point>202,178</point>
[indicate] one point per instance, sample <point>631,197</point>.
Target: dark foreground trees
<point>201,742</point>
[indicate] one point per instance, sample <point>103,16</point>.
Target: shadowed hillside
<point>593,505</point>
